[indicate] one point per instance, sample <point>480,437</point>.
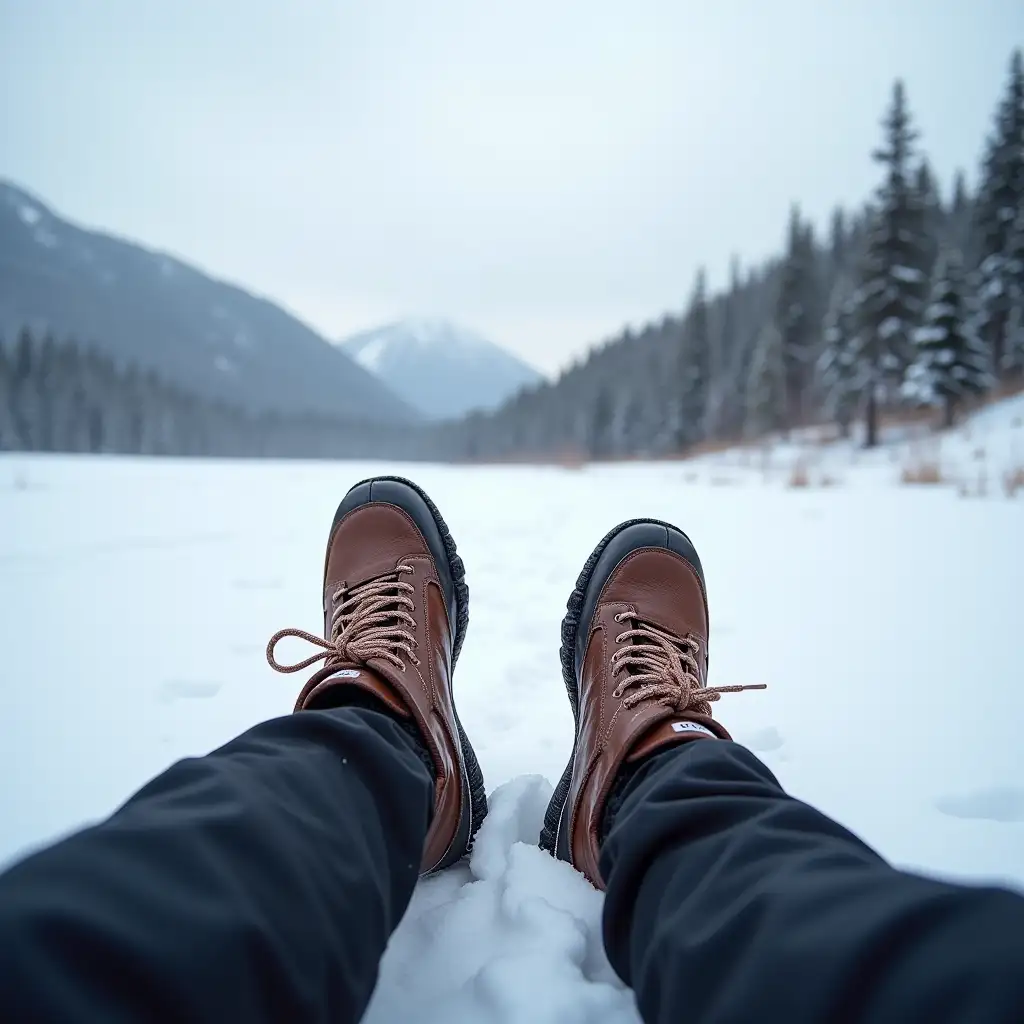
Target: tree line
<point>914,299</point>
<point>61,397</point>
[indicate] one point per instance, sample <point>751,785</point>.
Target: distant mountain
<point>148,308</point>
<point>441,369</point>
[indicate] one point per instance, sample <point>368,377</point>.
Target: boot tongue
<point>322,689</point>
<point>674,730</point>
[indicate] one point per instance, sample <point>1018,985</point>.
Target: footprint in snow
<point>997,803</point>
<point>177,689</point>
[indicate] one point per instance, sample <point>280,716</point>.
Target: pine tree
<point>797,317</point>
<point>933,217</point>
<point>1000,199</point>
<point>78,401</point>
<point>9,438</point>
<point>838,371</point>
<point>694,370</point>
<point>951,360</point>
<point>722,397</point>
<point>893,279</point>
<point>1013,357</point>
<point>23,391</point>
<point>766,384</point>
<point>958,233</point>
<point>45,388</point>
<point>599,440</point>
<point>633,436</point>
<point>838,240</point>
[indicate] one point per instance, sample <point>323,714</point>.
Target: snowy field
<point>136,598</point>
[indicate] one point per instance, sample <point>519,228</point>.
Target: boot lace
<point>370,620</point>
<point>656,665</point>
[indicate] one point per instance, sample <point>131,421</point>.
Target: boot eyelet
<point>620,638</point>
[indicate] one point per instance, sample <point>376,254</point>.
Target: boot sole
<point>554,836</point>
<point>413,500</point>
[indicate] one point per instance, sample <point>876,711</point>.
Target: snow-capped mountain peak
<point>435,330</point>
<point>440,367</point>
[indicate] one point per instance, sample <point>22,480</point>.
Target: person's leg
<point>261,882</point>
<point>258,883</point>
<point>728,900</point>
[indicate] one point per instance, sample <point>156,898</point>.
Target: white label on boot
<point>692,727</point>
<point>347,673</point>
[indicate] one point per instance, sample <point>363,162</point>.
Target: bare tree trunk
<point>948,411</point>
<point>871,420</point>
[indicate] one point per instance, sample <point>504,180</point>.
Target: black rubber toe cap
<point>621,542</point>
<point>415,502</point>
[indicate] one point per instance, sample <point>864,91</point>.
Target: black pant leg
<point>730,901</point>
<point>258,883</point>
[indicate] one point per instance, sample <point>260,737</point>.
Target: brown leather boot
<point>395,615</point>
<point>635,660</point>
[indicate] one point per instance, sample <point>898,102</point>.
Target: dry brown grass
<point>1013,481</point>
<point>803,475</point>
<point>820,436</point>
<point>928,418</point>
<point>922,463</point>
<point>925,471</point>
<point>710,447</point>
<point>571,460</point>
<point>1006,389</point>
<point>799,477</point>
<point>906,416</point>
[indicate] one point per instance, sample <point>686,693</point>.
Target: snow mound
<point>514,935</point>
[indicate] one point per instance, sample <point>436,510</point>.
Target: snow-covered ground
<point>974,459</point>
<point>136,598</point>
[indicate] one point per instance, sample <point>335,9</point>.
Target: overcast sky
<point>544,171</point>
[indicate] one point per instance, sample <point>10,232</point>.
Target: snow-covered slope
<point>438,367</point>
<point>158,313</point>
<point>977,458</point>
<point>807,588</point>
